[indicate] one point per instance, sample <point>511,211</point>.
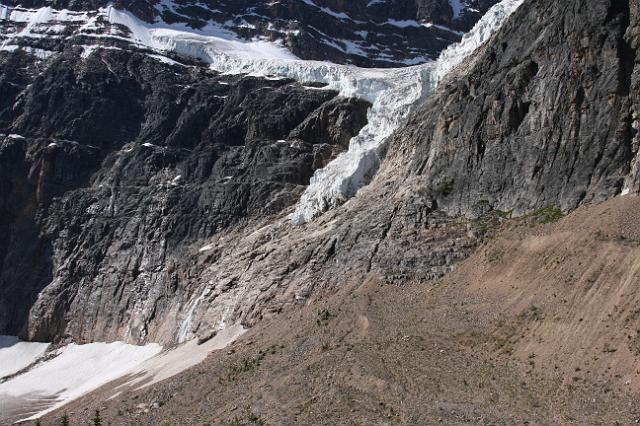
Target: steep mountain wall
<point>544,116</point>
<point>155,243</point>
<point>502,134</point>
<point>112,164</point>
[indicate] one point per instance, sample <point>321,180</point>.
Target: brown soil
<point>541,326</point>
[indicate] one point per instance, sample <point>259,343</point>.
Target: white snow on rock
<point>457,7</point>
<point>16,354</point>
<point>185,328</point>
<point>392,93</point>
<point>102,23</point>
<point>177,38</point>
<point>168,364</point>
<point>484,29</point>
<point>75,371</point>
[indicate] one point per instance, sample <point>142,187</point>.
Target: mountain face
<point>535,122</point>
<point>119,160</point>
<point>104,150</point>
<point>379,33</point>
<point>146,195</point>
<point>171,169</point>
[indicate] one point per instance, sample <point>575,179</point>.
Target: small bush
<point>324,316</point>
<point>97,421</point>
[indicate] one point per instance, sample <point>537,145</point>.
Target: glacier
<point>391,92</point>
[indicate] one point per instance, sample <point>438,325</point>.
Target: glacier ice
<point>391,92</point>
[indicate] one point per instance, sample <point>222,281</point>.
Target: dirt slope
<point>540,325</point>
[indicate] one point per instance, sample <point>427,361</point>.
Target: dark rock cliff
<point>538,119</point>
<point>544,117</point>
<point>110,166</point>
<point>126,238</point>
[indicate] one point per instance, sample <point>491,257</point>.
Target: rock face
<point>147,201</point>
<point>113,164</point>
<point>118,164</point>
<point>544,117</point>
<point>365,33</point>
<point>536,120</point>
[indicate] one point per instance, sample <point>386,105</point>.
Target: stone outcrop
<point>544,117</point>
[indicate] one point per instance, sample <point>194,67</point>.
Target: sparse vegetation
<point>545,215</point>
<point>97,421</point>
<point>324,316</point>
<point>249,418</point>
<point>250,364</point>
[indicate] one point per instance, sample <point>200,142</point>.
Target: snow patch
<point>206,248</point>
<point>170,363</point>
<point>181,39</point>
<point>166,60</point>
<point>443,28</point>
<point>103,23</point>
<point>16,354</point>
<point>403,23</point>
<point>176,180</point>
<point>484,29</point>
<point>75,371</point>
<point>457,7</point>
<point>342,16</point>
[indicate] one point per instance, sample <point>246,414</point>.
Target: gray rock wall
<point>113,165</point>
<point>543,117</point>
